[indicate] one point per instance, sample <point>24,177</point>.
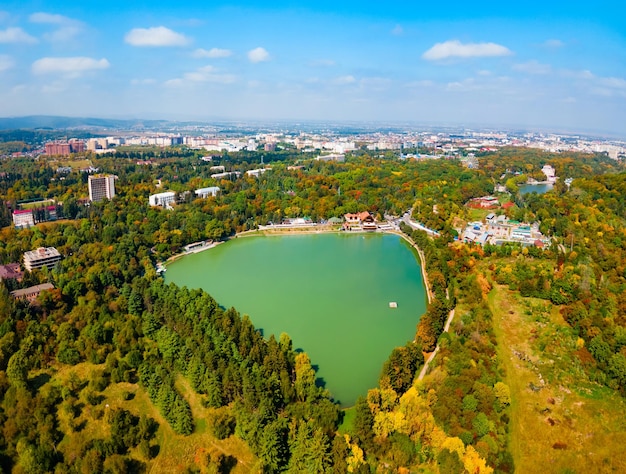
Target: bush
<point>223,425</point>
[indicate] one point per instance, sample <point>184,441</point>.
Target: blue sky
<point>533,64</point>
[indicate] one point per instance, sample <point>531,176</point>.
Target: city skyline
<point>559,66</point>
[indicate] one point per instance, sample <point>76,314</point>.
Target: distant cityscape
<point>326,139</point>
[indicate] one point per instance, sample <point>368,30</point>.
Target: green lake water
<point>535,188</point>
<point>329,292</point>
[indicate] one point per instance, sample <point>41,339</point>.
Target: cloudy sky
<point>535,64</point>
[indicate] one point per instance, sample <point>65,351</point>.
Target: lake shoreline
<point>311,231</point>
<point>333,275</point>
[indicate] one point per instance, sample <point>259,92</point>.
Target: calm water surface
<point>329,292</point>
<point>535,188</point>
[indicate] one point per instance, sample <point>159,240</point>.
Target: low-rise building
<point>41,257</point>
<point>206,192</point>
<point>361,220</point>
<point>258,172</point>
<point>31,293</point>
<point>24,218</point>
<point>11,271</point>
<point>162,199</point>
<point>332,157</point>
<point>227,174</point>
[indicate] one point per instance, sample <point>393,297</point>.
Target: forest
<point>115,371</point>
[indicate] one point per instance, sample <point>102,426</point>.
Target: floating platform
<point>393,304</point>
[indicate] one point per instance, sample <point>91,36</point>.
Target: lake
<point>329,292</point>
<point>535,188</point>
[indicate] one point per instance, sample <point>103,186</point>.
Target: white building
<point>101,186</point>
<point>162,199</point>
<point>206,192</point>
<point>23,219</point>
<point>227,174</point>
<point>332,157</point>
<point>258,172</point>
<point>94,144</point>
<point>550,173</point>
<point>42,257</point>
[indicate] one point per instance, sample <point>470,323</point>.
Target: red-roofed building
<point>23,218</point>
<point>363,220</point>
<point>11,271</point>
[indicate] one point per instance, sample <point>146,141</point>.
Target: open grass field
<point>175,452</point>
<point>38,204</point>
<point>478,214</point>
<point>561,422</point>
<point>76,165</point>
<point>347,424</point>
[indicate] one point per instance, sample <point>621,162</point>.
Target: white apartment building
<point>101,186</point>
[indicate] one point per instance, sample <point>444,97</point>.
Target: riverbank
<point>420,252</point>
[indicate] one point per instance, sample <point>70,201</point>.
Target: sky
<point>534,64</point>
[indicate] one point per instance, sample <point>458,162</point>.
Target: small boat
<point>393,304</point>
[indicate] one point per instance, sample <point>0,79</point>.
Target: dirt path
<point>434,353</point>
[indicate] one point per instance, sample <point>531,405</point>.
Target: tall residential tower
<point>101,186</point>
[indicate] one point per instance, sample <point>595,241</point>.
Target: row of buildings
<point>33,260</point>
<point>101,186</point>
<point>167,198</point>
<point>498,229</point>
<point>64,148</point>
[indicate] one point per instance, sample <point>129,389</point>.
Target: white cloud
<point>209,74</point>
<point>397,30</point>
<point>578,74</point>
<point>142,82</point>
<point>203,74</point>
<point>16,35</point>
<point>258,55</point>
<point>343,80</point>
<point>212,53</point>
<point>553,44</point>
<point>456,49</point>
<point>68,27</point>
<point>464,85</point>
<point>375,83</point>
<point>156,36</point>
<point>41,17</point>
<point>63,34</point>
<point>613,82</point>
<point>71,67</point>
<point>6,62</point>
<point>422,83</point>
<point>533,67</point>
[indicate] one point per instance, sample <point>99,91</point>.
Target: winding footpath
<point>434,353</point>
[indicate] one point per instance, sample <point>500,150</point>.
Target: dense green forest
<point>112,367</point>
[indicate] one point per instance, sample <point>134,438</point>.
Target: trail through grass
<point>560,420</point>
